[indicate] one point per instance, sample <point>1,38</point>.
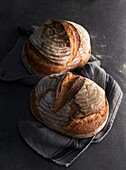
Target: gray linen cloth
<point>58,148</point>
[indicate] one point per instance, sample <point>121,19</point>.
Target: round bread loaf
<point>56,47</point>
<point>70,104</point>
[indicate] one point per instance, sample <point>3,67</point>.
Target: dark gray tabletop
<point>106,24</point>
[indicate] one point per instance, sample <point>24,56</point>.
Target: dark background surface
<point>106,24</point>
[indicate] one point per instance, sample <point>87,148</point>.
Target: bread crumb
<point>99,56</point>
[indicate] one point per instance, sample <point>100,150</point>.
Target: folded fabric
<point>58,148</point>
<point>12,68</point>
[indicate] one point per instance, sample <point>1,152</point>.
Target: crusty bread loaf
<point>70,104</point>
<point>57,47</point>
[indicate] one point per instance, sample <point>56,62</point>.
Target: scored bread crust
<point>84,127</point>
<point>88,126</point>
<point>37,63</point>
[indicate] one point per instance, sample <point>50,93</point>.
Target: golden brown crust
<point>37,63</point>
<point>40,65</point>
<point>67,89</point>
<point>74,39</point>
<point>75,122</point>
<point>78,128</point>
<point>87,124</point>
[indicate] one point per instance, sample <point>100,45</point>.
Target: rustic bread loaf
<point>56,47</point>
<point>70,104</point>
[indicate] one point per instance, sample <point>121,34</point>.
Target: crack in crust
<point>56,47</point>
<point>70,104</point>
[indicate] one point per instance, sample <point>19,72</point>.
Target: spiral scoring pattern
<point>52,41</point>
<point>56,47</point>
<point>84,44</point>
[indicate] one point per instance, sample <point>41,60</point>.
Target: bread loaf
<point>56,47</point>
<point>70,104</point>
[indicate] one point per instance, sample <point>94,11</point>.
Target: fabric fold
<point>47,143</point>
<point>58,148</point>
